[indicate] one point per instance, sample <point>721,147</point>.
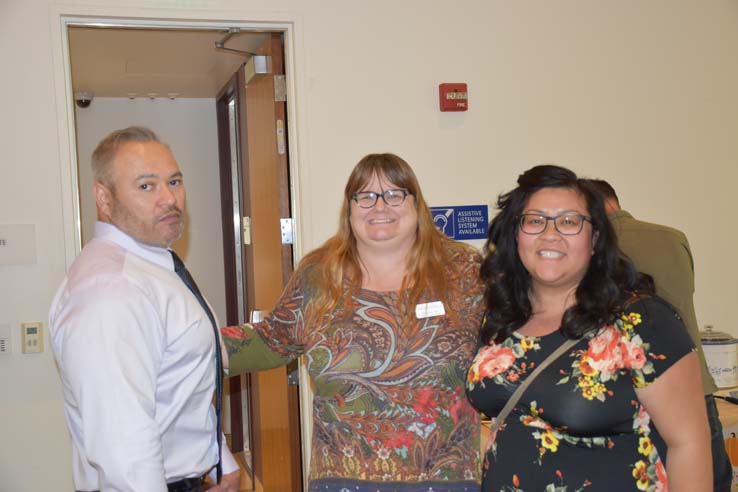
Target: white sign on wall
<point>17,244</point>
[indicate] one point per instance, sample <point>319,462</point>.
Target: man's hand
<point>230,482</point>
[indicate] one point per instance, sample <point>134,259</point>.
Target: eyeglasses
<point>367,199</point>
<point>567,224</point>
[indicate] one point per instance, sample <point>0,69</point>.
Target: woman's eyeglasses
<point>367,199</point>
<point>569,224</point>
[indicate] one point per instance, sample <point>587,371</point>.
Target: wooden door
<point>255,199</point>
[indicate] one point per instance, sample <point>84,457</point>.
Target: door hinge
<point>281,144</point>
<point>247,230</point>
<point>280,88</point>
<point>286,225</point>
<point>293,377</point>
<point>257,315</point>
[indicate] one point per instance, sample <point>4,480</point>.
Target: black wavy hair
<point>610,280</point>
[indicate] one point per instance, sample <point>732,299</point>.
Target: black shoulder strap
<point>524,385</point>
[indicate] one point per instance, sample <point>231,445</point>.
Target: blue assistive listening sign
<point>462,222</point>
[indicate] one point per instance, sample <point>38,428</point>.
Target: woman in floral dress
<point>387,314</point>
<point>620,410</point>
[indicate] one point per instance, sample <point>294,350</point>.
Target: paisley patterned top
<point>579,426</point>
<point>389,409</point>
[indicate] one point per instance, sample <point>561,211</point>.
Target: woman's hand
<point>230,482</point>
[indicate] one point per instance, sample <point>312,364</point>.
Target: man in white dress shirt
<point>134,346</point>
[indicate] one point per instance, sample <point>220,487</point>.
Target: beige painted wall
<point>190,128</point>
<point>641,93</point>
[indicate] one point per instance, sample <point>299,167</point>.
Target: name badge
<point>429,309</point>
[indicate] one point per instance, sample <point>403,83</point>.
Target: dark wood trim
<point>293,403</point>
<point>229,257</point>
<point>285,210</point>
<point>283,177</point>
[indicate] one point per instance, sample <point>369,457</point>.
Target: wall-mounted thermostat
<point>33,337</point>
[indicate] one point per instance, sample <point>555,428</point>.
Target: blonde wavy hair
<point>336,264</point>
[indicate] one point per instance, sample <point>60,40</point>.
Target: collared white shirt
<point>135,353</point>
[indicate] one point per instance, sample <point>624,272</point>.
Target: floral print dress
<point>579,426</point>
<point>389,409</point>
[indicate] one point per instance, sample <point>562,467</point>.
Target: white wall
<point>189,126</point>
<point>641,93</point>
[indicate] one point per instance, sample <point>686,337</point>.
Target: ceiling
<point>119,62</point>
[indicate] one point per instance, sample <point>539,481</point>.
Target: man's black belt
<point>184,485</point>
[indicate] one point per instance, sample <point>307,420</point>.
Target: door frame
<point>64,16</point>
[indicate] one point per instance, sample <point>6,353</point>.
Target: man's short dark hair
<point>605,189</point>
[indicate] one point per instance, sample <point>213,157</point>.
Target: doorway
<point>173,90</point>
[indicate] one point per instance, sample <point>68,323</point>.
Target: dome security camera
<point>83,99</point>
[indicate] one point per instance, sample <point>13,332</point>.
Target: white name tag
<point>429,309</point>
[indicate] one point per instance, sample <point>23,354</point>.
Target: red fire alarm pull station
<point>454,97</point>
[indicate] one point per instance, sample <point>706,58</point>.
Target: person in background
<point>621,408</point>
<point>387,315</point>
<point>664,254</point>
<point>135,345</point>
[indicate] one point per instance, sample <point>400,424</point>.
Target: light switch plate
<point>32,335</point>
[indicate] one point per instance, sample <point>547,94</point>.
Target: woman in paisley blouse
<point>603,416</point>
<point>387,315</point>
